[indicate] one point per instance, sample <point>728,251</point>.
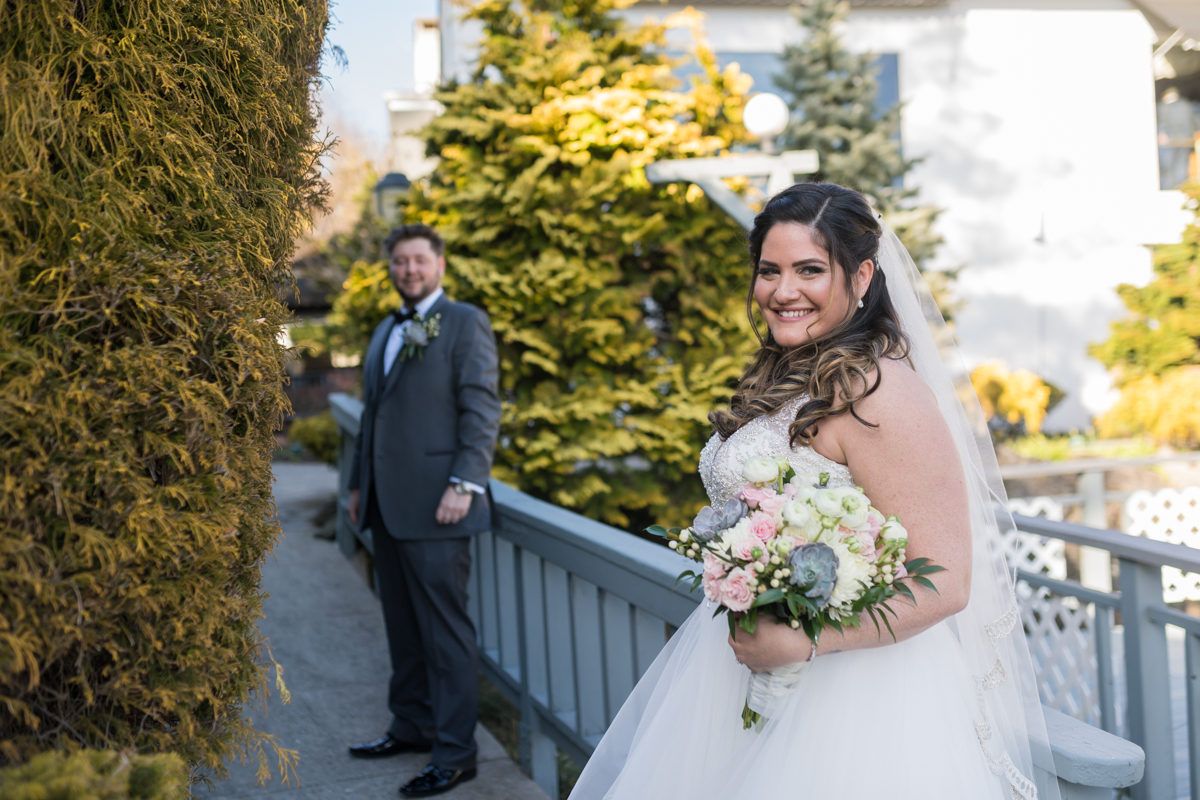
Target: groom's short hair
<point>405,232</point>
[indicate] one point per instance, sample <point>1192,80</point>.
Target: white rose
<point>852,568</point>
<point>798,513</point>
<point>759,469</point>
<point>892,529</point>
<point>855,508</point>
<point>829,503</point>
<point>806,485</point>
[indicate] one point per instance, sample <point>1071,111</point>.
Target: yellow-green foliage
<point>96,775</point>
<point>1165,408</point>
<point>619,307</point>
<point>156,164</point>
<point>319,435</point>
<point>367,296</point>
<point>1016,396</point>
<point>1154,353</point>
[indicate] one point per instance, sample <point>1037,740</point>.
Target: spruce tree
<point>832,94</point>
<point>1154,354</point>
<point>618,306</point>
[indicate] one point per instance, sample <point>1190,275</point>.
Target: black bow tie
<point>403,315</point>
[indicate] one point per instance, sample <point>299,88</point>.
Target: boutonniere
<point>420,332</point>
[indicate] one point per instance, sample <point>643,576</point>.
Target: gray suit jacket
<point>431,417</point>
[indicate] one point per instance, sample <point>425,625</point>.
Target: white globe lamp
<point>765,116</point>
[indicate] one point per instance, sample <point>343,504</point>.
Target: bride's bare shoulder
<point>900,390</point>
<point>900,399</point>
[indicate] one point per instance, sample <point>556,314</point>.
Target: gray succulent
<point>709,523</point>
<point>814,571</point>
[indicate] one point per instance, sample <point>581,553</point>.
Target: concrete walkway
<point>326,630</point>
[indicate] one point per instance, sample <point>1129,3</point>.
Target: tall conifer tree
<point>619,307</point>
<point>832,93</point>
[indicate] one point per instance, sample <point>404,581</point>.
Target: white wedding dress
<point>888,722</point>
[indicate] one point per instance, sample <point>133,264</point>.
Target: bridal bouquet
<point>812,555</point>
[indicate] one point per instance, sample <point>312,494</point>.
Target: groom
<point>418,481</point>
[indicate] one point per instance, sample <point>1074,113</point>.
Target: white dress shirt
<point>392,349</point>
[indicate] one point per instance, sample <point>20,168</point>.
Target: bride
<point>849,381</point>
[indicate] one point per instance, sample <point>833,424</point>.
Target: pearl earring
<point>860,303</point>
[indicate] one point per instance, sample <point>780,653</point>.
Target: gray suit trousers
<point>433,694</point>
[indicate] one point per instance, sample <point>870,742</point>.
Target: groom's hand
<point>453,508</point>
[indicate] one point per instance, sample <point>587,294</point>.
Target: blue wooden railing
<point>571,612</point>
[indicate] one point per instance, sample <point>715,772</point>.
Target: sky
<point>376,36</point>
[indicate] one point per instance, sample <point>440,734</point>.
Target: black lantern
<point>387,196</point>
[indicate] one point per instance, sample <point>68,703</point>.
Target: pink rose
<point>752,495</point>
<point>898,571</point>
<point>773,505</point>
<point>868,544</point>
<point>790,490</point>
<point>712,587</point>
<point>736,594</point>
<point>875,522</point>
<point>762,525</point>
<point>714,566</point>
<point>744,548</point>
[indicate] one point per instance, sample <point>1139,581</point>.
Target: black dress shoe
<point>435,780</point>
<point>388,745</point>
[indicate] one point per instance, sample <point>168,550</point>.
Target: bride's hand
<point>772,645</point>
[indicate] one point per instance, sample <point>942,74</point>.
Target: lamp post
<point>765,116</point>
<point>387,194</point>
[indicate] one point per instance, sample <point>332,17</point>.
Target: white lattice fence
<point>1060,630</point>
<point>1169,515</point>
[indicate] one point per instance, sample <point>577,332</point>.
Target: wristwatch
<point>461,488</point>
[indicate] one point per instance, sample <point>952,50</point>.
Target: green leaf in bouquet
<point>871,612</point>
<point>889,626</point>
<point>767,597</point>
<point>686,574</point>
<point>657,530</point>
<point>833,623</point>
<point>901,588</point>
<point>928,584</point>
<point>916,563</point>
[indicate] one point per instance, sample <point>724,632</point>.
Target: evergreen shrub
<point>618,306</point>
<point>156,165</point>
<point>1154,353</point>
<point>96,775</point>
<point>319,435</point>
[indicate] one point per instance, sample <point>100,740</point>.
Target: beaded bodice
<point>721,461</point>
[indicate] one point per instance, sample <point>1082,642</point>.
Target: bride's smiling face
<point>801,291</point>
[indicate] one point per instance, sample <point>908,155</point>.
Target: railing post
<point>1146,672</point>
<point>1095,565</point>
<point>539,755</point>
<point>543,755</point>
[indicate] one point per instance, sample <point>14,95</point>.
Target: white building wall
<point>1035,122</point>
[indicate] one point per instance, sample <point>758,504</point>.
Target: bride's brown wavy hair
<point>832,370</point>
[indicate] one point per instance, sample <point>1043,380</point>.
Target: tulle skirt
<point>891,721</point>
